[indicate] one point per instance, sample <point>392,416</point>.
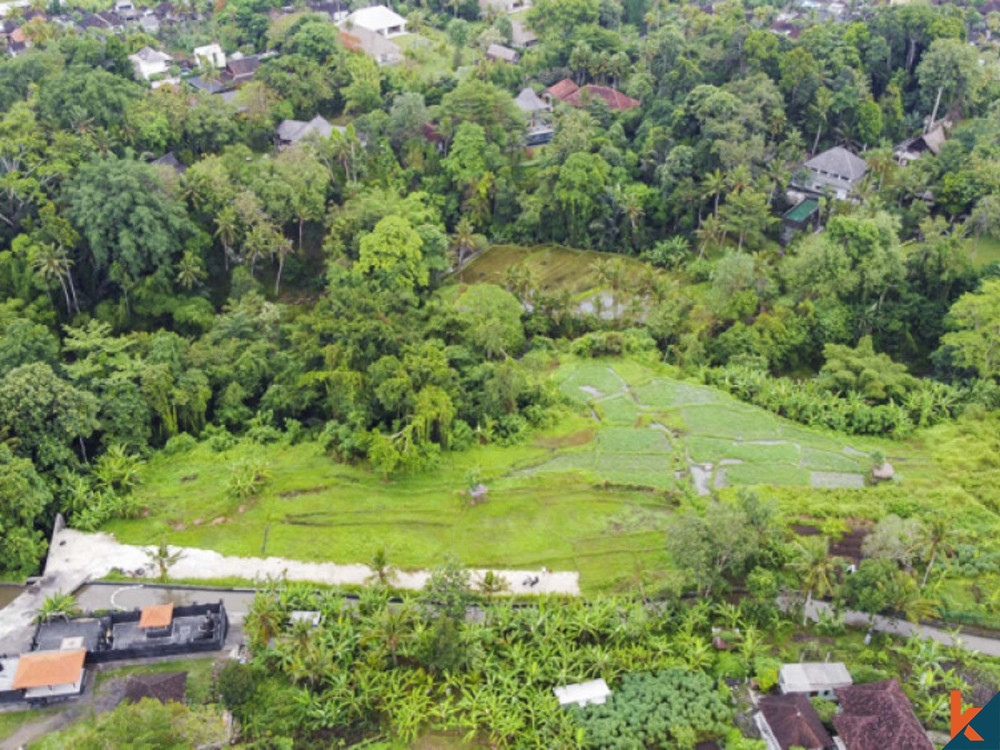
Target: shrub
<point>181,443</point>
<point>218,438</point>
<point>246,477</point>
<point>825,708</point>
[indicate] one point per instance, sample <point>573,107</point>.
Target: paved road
<point>987,646</point>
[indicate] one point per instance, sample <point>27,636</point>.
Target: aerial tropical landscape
<point>499,374</point>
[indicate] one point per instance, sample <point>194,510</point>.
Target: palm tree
<point>493,584</point>
<point>189,271</point>
<point>51,262</point>
<point>57,605</point>
<point>264,619</point>
<point>383,572</point>
<point>163,558</point>
<point>937,535</point>
<point>820,108</point>
<point>712,187</point>
<point>465,241</point>
<point>226,228</point>
<point>815,567</point>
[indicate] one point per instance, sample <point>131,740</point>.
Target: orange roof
<point>563,89</point>
<point>612,97</point>
<point>18,35</point>
<point>156,616</point>
<point>48,668</point>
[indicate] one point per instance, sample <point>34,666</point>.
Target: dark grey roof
<point>291,131</point>
<point>499,52</point>
<point>529,101</point>
<point>169,159</point>
<point>839,161</point>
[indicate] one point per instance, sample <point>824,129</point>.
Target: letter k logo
<point>960,720</point>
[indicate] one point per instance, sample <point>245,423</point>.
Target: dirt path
<point>76,557</point>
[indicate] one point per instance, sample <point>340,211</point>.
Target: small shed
<point>814,678</point>
<point>499,53</point>
<point>883,473</point>
<point>591,693</point>
<point>797,218</point>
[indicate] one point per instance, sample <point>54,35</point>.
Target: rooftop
<point>49,668</point>
<point>562,89</point>
<point>156,616</point>
<point>809,677</point>
<point>838,161</point>
<point>291,131</point>
<point>878,715</point>
<point>375,17</point>
<point>612,97</point>
<point>55,634</point>
<point>794,722</point>
<point>594,692</point>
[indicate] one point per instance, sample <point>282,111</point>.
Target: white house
<point>378,18</point>
<point>814,678</point>
<point>211,54</point>
<point>149,62</point>
<point>836,170</point>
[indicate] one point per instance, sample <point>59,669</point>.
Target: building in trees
<point>499,53</point>
<point>520,35</point>
<point>814,678</point>
<point>835,171</point>
<point>373,44</point>
<point>569,93</point>
<point>291,132</point>
<point>787,721</point>
<point>149,62</point>
<point>378,18</point>
<point>929,142</point>
<point>878,715</point>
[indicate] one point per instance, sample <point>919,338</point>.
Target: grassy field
<point>595,494</point>
<point>985,251</point>
<point>554,269</point>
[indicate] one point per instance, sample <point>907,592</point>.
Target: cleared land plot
<point>553,269</point>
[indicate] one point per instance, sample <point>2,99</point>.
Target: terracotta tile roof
<point>876,716</point>
<point>165,687</point>
<point>794,722</point>
<point>563,89</point>
<point>156,616</point>
<point>47,668</point>
<point>612,97</point>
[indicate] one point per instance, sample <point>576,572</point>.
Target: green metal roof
<point>803,211</point>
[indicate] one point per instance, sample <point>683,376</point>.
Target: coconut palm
<point>163,558</point>
<point>815,567</point>
<point>383,573</point>
<point>937,537</point>
<point>57,605</point>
